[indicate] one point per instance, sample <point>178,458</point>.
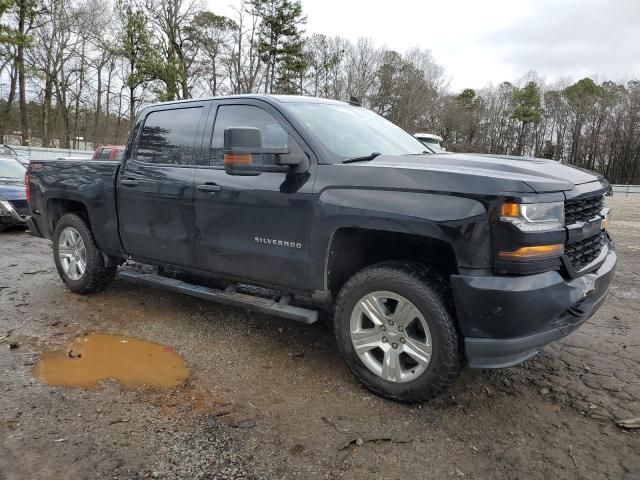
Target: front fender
<point>461,222</point>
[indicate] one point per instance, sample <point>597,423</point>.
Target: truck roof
<point>261,96</point>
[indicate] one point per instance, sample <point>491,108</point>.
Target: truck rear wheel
<point>78,260</point>
<point>395,328</point>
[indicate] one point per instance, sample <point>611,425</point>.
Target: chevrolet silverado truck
<point>429,262</point>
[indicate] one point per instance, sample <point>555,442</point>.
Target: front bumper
<point>8,220</point>
<point>506,320</point>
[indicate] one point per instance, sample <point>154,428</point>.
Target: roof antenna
<point>355,101</point>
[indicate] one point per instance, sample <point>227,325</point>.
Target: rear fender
<point>88,183</point>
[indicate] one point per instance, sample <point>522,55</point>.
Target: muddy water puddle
<point>93,358</point>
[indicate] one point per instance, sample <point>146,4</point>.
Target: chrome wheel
<point>390,336</point>
<point>72,253</point>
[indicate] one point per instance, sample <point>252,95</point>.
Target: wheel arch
<point>58,207</point>
<point>352,249</point>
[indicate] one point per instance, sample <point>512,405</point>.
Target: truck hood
<point>525,173</point>
<point>12,189</point>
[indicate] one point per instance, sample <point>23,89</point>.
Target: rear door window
<point>169,136</point>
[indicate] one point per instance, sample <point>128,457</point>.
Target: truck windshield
<point>351,132</point>
<point>11,169</point>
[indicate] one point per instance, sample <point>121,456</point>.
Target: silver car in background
<point>7,151</point>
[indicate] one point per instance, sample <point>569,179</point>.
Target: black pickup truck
<point>429,261</point>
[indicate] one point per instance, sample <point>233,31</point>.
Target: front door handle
<point>131,182</point>
<point>209,187</point>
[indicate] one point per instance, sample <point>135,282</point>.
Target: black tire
<point>428,292</point>
<point>96,276</point>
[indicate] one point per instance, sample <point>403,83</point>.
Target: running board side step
<point>229,296</point>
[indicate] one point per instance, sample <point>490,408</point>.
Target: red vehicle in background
<point>109,152</point>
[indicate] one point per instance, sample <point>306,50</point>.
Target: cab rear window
<point>168,136</point>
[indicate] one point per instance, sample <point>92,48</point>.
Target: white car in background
<point>432,141</point>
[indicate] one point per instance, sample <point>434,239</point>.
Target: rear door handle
<point>131,182</point>
<point>209,187</point>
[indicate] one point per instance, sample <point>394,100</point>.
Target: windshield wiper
<point>366,158</point>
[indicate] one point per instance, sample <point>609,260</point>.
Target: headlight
<point>534,217</point>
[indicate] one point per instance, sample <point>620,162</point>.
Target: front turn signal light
<point>606,221</point>
<point>510,210</point>
<point>533,252</point>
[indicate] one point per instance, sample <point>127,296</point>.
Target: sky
<point>479,42</point>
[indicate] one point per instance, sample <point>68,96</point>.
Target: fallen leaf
<point>120,420</point>
<point>629,423</point>
<point>376,437</point>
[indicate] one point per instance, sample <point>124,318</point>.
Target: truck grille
<point>585,251</point>
<point>21,207</point>
<point>583,209</point>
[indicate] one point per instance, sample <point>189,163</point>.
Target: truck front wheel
<point>394,325</point>
<point>78,260</point>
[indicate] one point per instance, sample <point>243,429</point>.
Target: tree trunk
<point>76,117</point>
<point>523,128</point>
<point>118,123</point>
<point>24,119</point>
<point>61,96</point>
<point>46,110</point>
<point>132,105</point>
<point>132,91</point>
<point>96,121</point>
<point>108,104</point>
<point>6,119</point>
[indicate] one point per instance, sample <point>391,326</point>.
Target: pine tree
<point>135,47</point>
<point>280,43</point>
<point>526,108</point>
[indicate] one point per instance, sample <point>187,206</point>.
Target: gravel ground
<point>269,398</point>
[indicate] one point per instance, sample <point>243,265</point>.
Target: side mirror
<point>244,153</point>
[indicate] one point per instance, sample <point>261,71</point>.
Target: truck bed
<point>87,183</point>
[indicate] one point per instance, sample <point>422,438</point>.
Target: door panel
<point>155,187</point>
<point>156,215</point>
<point>253,227</point>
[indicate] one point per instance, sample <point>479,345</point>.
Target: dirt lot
<point>267,398</point>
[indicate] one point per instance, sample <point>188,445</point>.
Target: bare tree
<point>243,63</point>
<point>362,62</point>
